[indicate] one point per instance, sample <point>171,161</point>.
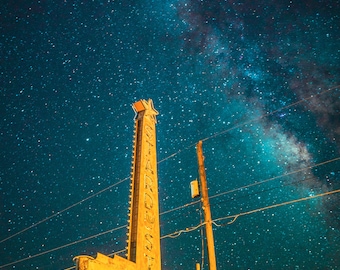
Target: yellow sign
<point>143,232</point>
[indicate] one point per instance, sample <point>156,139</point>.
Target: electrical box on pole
<point>195,191</point>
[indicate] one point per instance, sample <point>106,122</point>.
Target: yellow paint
<point>143,231</point>
<point>144,234</point>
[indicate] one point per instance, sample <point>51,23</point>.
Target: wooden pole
<point>206,207</point>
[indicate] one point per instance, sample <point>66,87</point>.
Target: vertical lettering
<point>150,260</point>
<point>148,166</point>
<point>149,220</point>
<point>149,136</point>
<point>149,132</point>
<point>148,201</point>
<point>148,241</point>
<point>148,183</point>
<point>149,217</point>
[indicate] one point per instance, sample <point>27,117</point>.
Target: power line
<point>177,233</point>
<point>186,230</point>
<point>271,113</point>
<point>171,235</point>
<point>234,217</point>
<point>65,209</point>
<point>64,246</point>
<point>253,120</point>
<point>179,207</point>
<point>168,211</point>
<point>252,184</point>
<point>166,158</point>
<point>259,192</point>
<point>275,177</point>
<point>174,154</point>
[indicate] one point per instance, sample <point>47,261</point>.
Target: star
<point>146,106</point>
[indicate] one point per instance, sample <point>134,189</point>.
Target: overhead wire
<point>234,217</point>
<point>189,229</point>
<point>275,177</point>
<point>177,233</point>
<point>63,210</point>
<point>168,157</point>
<point>251,185</point>
<point>245,123</point>
<point>261,182</point>
<point>170,210</point>
<point>179,207</point>
<point>259,192</point>
<point>63,246</point>
<point>271,113</point>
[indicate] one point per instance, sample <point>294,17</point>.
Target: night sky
<point>257,81</point>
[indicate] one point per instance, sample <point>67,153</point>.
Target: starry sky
<point>257,81</point>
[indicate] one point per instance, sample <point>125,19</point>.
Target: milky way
<point>256,80</point>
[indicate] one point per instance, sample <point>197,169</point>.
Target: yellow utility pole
<point>143,250</point>
<point>206,207</point>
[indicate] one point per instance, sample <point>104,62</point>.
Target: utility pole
<point>206,207</point>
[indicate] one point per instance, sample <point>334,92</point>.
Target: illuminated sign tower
<point>143,250</point>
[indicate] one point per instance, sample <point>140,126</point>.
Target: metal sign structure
<point>144,232</point>
<point>143,250</point>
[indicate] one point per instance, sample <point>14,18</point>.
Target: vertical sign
<point>144,232</point>
<point>144,251</point>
